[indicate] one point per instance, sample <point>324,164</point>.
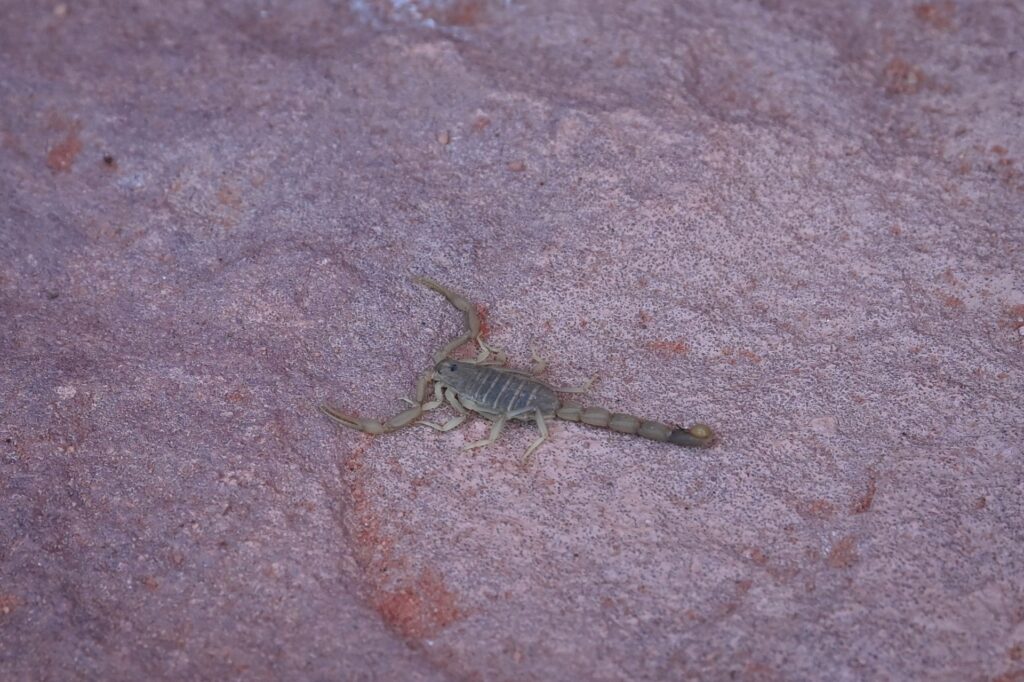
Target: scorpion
<point>484,385</point>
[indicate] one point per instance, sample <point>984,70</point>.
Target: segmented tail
<point>696,436</point>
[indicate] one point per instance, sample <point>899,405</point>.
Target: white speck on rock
<point>824,425</point>
<point>66,392</point>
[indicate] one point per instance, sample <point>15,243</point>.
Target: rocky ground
<point>799,222</point>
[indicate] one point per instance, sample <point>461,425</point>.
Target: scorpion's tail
<point>695,436</point>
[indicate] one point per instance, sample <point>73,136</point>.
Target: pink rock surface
<point>797,222</point>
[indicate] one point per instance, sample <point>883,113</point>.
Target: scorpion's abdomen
<point>498,390</point>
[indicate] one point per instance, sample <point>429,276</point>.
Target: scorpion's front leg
<point>453,422</point>
<point>539,364</point>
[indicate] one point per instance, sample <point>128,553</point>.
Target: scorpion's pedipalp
<point>352,422</point>
<point>372,426</point>
<point>463,304</point>
<point>438,398</point>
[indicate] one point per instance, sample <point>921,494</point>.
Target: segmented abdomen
<point>501,391</point>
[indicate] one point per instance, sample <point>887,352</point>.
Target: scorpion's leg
<point>421,392</point>
<point>543,427</point>
<point>539,363</point>
<point>438,398</point>
<point>453,422</point>
<point>583,388</point>
<point>500,356</point>
<point>499,424</point>
<point>453,400</point>
<point>447,426</point>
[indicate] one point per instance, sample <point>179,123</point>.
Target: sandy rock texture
<point>799,222</point>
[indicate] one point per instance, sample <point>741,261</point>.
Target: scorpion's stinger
<point>695,436</point>
<point>698,435</point>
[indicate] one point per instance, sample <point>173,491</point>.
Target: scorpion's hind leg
<point>582,388</point>
<point>499,424</point>
<point>539,364</point>
<point>543,428</point>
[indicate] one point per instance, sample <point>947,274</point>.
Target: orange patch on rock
<point>751,356</point>
<point>816,509</point>
<point>936,14</point>
<point>480,123</point>
<point>864,503</point>
<point>237,396</point>
<point>1014,318</point>
<point>8,602</point>
<point>677,347</point>
<point>421,609</point>
<point>485,328</point>
<point>62,155</point>
<point>758,557</point>
<point>952,302</point>
<point>414,607</point>
<point>902,78</point>
<point>229,196</point>
<point>458,13</point>
<point>843,553</point>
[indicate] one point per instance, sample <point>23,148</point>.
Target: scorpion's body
<point>497,391</point>
<point>501,394</point>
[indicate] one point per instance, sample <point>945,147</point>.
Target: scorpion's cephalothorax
<point>488,388</point>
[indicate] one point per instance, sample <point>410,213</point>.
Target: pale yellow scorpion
<point>483,385</point>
